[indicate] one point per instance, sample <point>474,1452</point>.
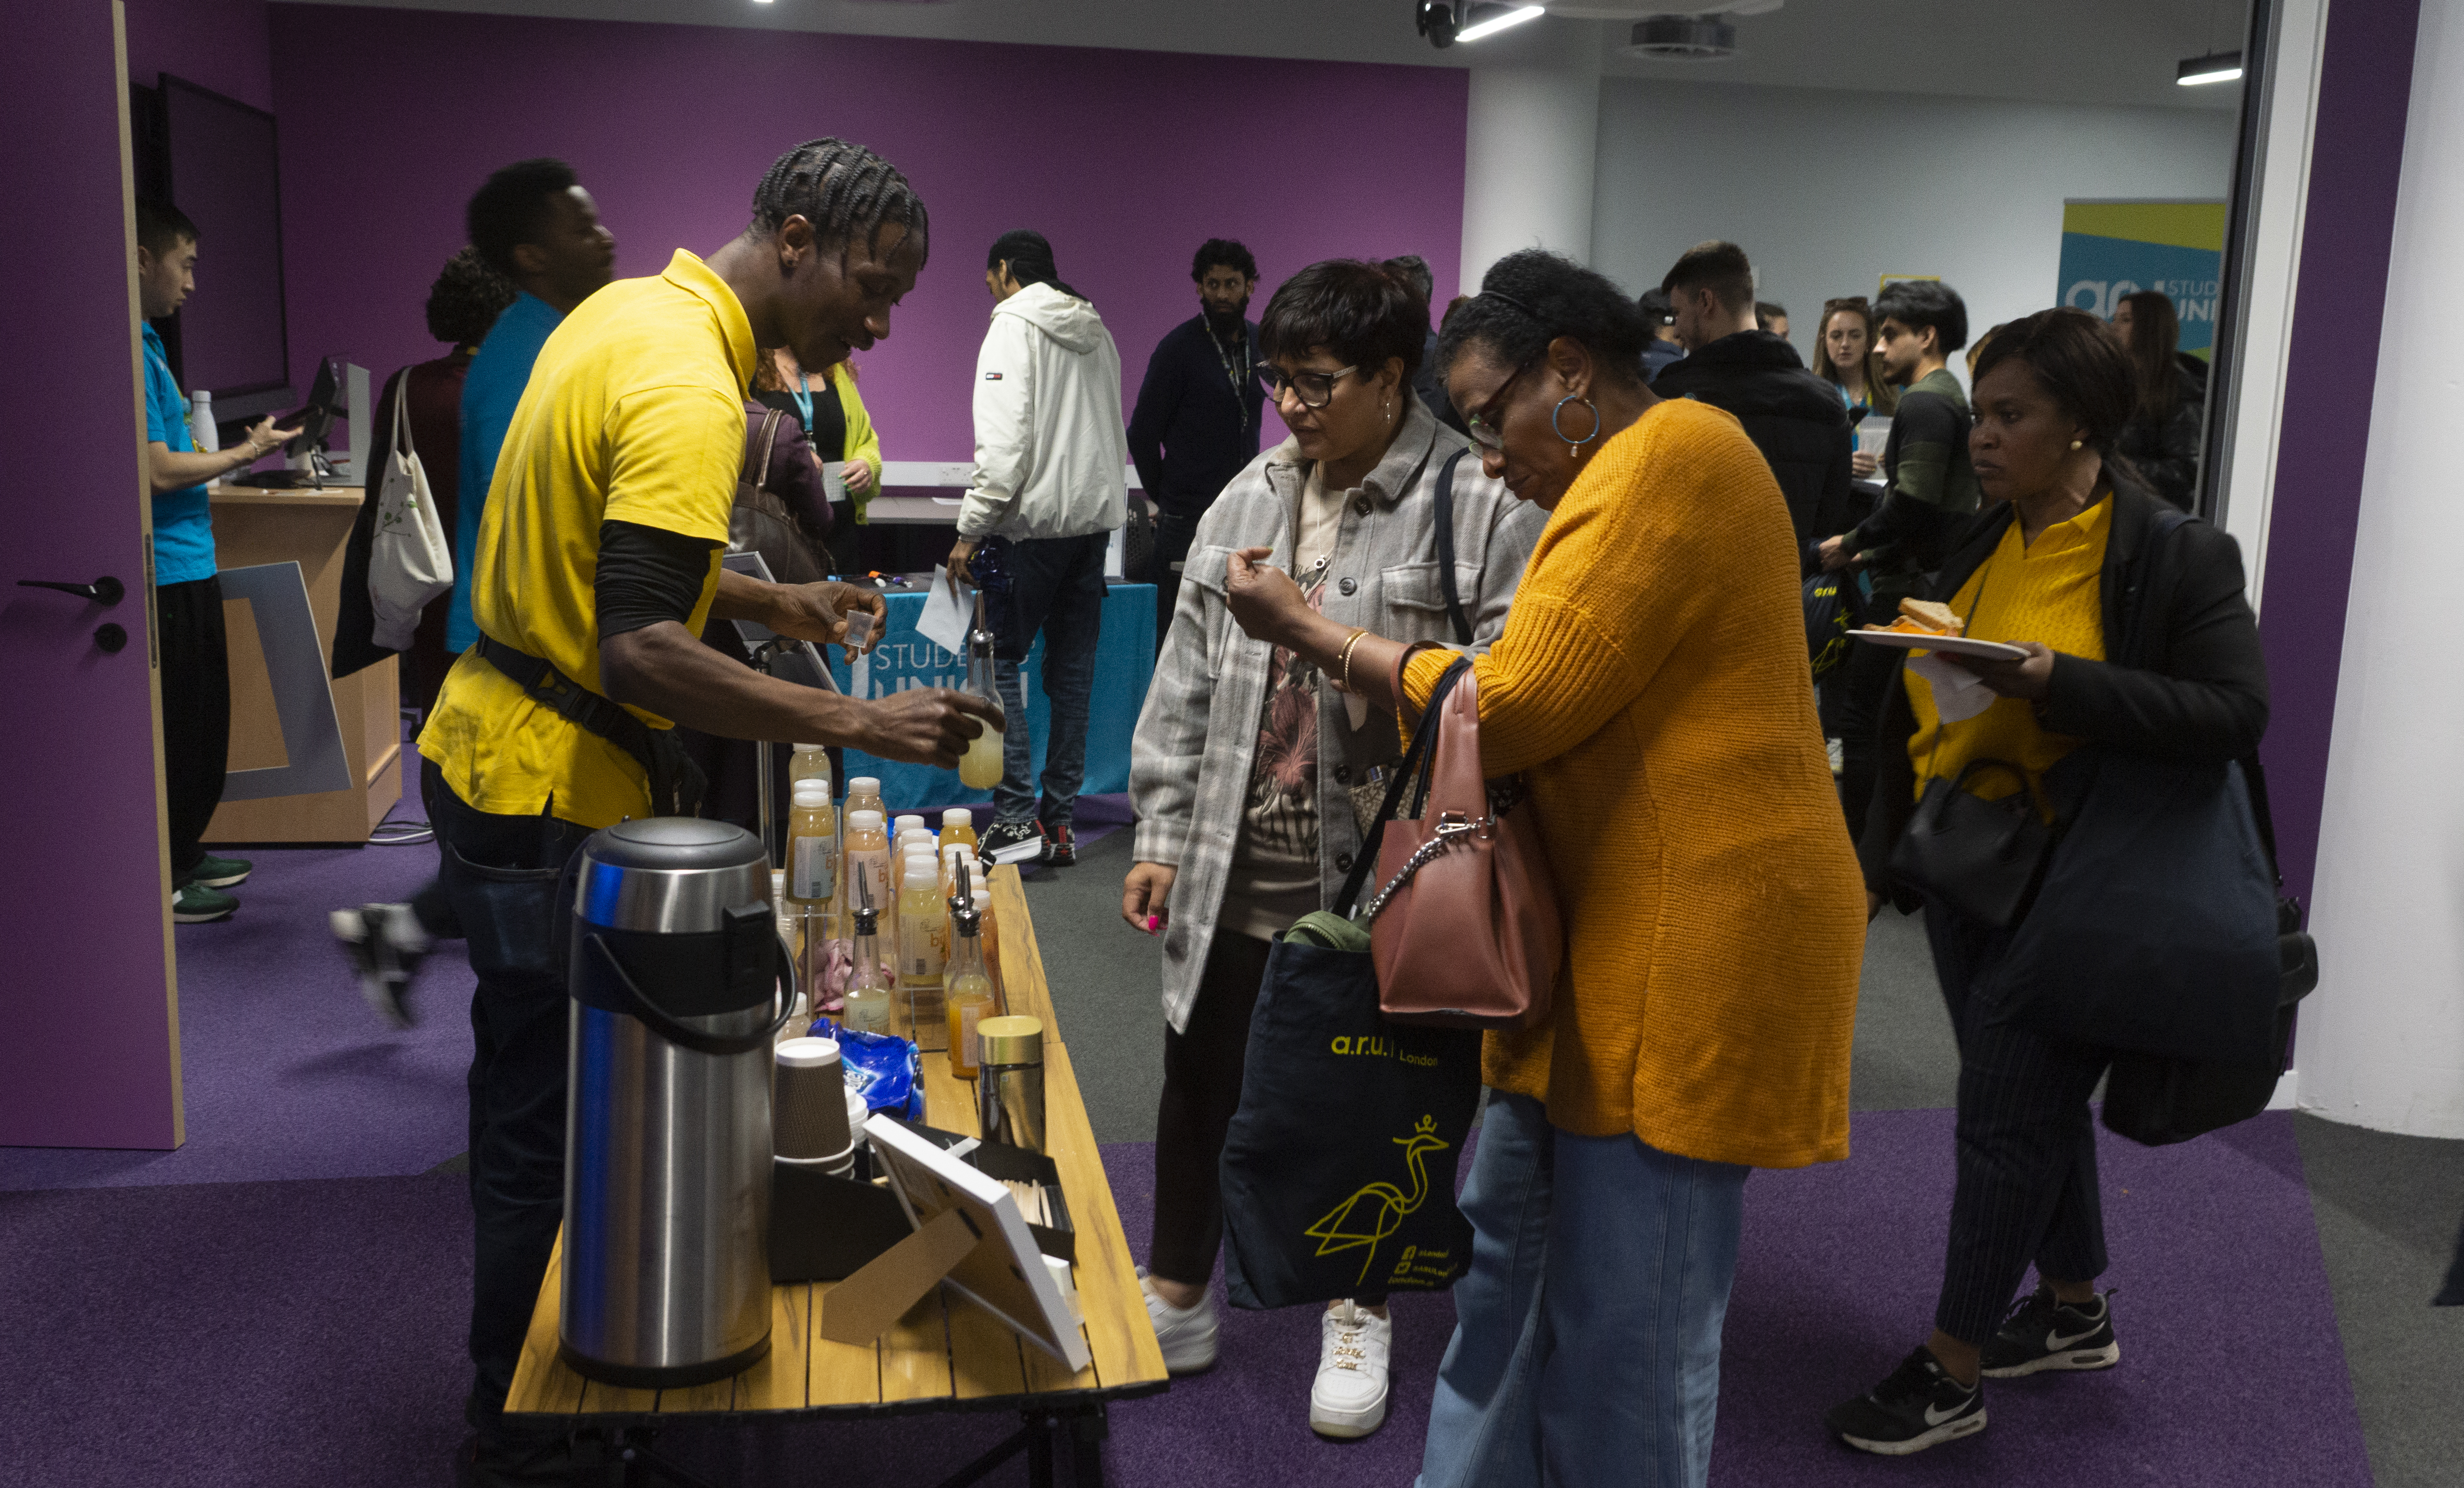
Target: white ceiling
<point>2119,52</point>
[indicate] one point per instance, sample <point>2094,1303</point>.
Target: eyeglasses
<point>1313,390</point>
<point>1486,434</point>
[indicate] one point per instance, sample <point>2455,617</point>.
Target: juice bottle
<point>967,991</point>
<point>867,1007</point>
<point>953,853</point>
<point>988,936</point>
<point>907,822</point>
<point>812,845</point>
<point>863,794</point>
<point>920,963</point>
<point>915,849</point>
<point>868,850</point>
<point>809,762</point>
<point>979,768</point>
<point>959,825</point>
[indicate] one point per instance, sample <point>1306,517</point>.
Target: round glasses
<point>1482,424</point>
<point>1313,390</point>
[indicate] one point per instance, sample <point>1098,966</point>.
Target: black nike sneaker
<point>2044,1333</point>
<point>1919,1406</point>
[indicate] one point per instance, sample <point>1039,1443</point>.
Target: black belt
<point>676,782</point>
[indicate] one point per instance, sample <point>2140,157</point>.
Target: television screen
<point>221,171</point>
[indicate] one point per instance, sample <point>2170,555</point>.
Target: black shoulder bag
<point>1446,546</point>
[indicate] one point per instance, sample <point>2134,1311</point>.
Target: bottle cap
<point>803,746</point>
<point>812,792</point>
<point>921,875</point>
<point>911,821</point>
<point>1011,1040</point>
<point>957,817</point>
<point>866,784</point>
<point>862,819</point>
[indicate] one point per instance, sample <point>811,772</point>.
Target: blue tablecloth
<point>1124,663</point>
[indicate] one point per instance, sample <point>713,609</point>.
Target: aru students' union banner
<point>2112,249</point>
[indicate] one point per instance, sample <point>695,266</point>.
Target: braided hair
<point>845,191</point>
<point>1527,299</point>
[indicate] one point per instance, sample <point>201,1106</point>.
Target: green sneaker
<point>194,903</point>
<point>221,873</point>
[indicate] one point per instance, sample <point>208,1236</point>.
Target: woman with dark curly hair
<point>465,300</point>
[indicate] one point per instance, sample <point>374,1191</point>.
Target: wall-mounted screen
<point>220,169</point>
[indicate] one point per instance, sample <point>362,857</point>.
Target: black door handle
<point>105,591</point>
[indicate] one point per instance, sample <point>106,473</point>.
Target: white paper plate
<point>1948,645</point>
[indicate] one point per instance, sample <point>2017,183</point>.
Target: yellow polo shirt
<point>634,413</point>
<point>2049,591</point>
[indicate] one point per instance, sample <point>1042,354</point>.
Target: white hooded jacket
<point>1050,450</point>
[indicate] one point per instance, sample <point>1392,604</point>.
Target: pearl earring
<point>2074,444</point>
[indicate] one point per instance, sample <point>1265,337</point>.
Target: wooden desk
<point>254,527</point>
<point>946,1354</point>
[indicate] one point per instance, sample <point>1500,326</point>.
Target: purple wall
<point>2365,89</point>
<point>1126,160</point>
<point>87,1059</point>
<point>218,44</point>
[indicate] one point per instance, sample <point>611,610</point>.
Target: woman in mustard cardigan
<point>1651,682</point>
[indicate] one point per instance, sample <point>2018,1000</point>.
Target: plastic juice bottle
<point>809,762</point>
<point>868,1006</point>
<point>988,936</point>
<point>959,825</point>
<point>967,989</point>
<point>953,853</point>
<point>919,965</point>
<point>868,848</point>
<point>812,845</point>
<point>908,822</point>
<point>863,794</point>
<point>904,858</point>
<point>979,768</point>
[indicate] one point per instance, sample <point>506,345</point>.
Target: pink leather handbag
<point>1464,932</point>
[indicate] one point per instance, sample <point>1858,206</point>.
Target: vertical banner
<point>2111,249</point>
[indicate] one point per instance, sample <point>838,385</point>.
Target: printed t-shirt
<point>634,413</point>
<point>184,525</point>
<point>1275,877</point>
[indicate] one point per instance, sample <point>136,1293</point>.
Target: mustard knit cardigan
<point>1653,682</point>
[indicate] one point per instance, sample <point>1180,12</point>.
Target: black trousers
<point>1852,696</point>
<point>196,711</point>
<point>1202,1088</point>
<point>1175,531</point>
<point>501,874</point>
<point>2027,1187</point>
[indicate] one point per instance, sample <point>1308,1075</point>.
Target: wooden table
<point>312,528</point>
<point>946,1354</point>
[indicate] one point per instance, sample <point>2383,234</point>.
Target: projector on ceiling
<point>1683,38</point>
<point>1645,9</point>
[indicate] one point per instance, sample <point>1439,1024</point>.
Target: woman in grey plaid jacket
<point>1245,763</point>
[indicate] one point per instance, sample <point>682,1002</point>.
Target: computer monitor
<point>326,404</point>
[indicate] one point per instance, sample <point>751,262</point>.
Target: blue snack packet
<point>884,1068</point>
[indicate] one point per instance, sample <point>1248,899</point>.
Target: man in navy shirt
<point>190,643</point>
<point>535,225</point>
<point>1196,424</point>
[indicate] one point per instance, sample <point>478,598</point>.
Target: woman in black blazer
<point>2157,655</point>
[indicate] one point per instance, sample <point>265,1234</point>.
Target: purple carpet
<point>274,1334</point>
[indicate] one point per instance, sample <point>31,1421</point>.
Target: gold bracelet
<point>1347,656</point>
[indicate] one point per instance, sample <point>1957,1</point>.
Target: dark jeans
<point>1056,587</point>
<point>2026,1189</point>
<point>1202,1088</point>
<point>1175,531</point>
<point>195,659</point>
<point>502,876</point>
<point>1862,683</point>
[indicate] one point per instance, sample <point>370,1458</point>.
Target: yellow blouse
<point>2048,591</point>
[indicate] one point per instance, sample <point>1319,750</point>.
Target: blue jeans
<point>500,876</point>
<point>1056,587</point>
<point>1587,1348</point>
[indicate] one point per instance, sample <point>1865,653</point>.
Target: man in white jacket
<point>1048,489</point>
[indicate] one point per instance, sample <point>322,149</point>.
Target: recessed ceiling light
<point>2214,67</point>
<point>1494,18</point>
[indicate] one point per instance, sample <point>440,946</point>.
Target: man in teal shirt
<point>535,225</point>
<point>189,637</point>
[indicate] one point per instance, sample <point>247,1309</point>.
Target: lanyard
<point>1239,378</point>
<point>802,393</point>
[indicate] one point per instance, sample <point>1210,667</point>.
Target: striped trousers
<point>2026,1190</point>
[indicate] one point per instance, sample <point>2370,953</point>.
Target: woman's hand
<point>1834,554</point>
<point>2032,679</point>
<point>858,475</point>
<point>1863,465</point>
<point>1264,602</point>
<point>1143,896</point>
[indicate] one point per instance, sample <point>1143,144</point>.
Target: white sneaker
<point>1187,1334</point>
<point>1350,1396</point>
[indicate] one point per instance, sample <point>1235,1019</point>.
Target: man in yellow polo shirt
<point>597,562</point>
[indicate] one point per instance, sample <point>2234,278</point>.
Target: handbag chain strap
<point>1451,826</point>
